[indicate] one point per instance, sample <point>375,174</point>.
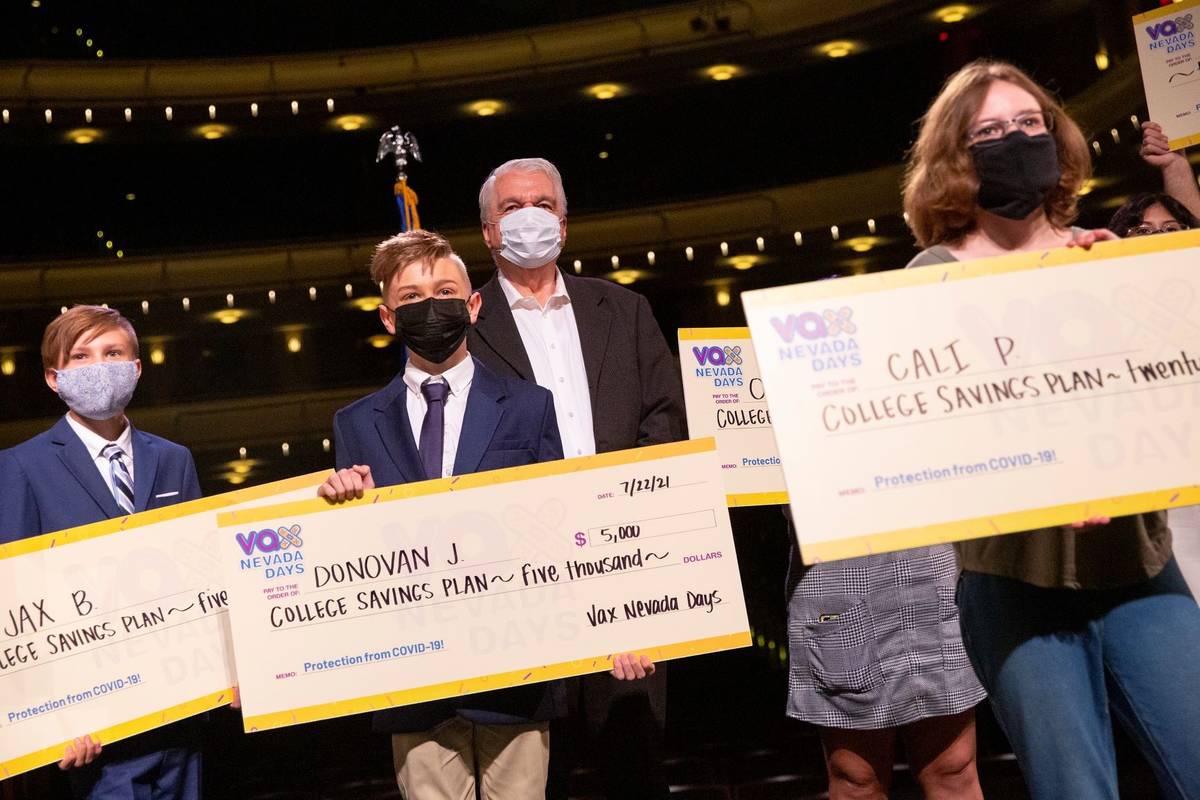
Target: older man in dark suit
<point>598,348</point>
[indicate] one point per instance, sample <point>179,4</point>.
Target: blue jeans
<point>1057,662</point>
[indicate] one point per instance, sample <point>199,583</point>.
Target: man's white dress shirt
<point>551,340</point>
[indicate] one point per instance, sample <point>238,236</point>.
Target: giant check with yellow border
<point>115,628</point>
<point>725,399</point>
<point>971,399</point>
<point>449,587</point>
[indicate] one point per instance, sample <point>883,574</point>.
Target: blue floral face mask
<point>98,391</point>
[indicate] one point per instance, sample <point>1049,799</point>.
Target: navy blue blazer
<point>50,482</point>
<point>507,423</point>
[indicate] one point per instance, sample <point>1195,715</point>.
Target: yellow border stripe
<point>692,334</point>
<point>114,733</point>
<point>460,482</point>
<point>756,499</point>
<point>1013,522</point>
<point>1166,11</point>
<point>1186,141</point>
<point>854,285</point>
<point>566,669</point>
<point>118,524</point>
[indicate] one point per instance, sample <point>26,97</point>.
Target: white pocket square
<point>165,494</point>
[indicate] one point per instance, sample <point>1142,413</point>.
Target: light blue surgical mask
<point>98,391</point>
<point>530,237</point>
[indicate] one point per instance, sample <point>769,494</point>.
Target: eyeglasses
<point>1031,123</point>
<point>1150,230</point>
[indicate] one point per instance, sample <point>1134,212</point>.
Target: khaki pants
<point>442,763</point>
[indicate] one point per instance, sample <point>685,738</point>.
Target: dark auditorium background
<point>209,169</point>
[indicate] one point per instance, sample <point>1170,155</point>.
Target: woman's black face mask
<point>1016,173</point>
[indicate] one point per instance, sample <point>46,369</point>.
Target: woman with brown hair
<point>1064,626</point>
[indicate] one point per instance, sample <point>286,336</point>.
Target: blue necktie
<point>433,429</point>
<point>120,479</point>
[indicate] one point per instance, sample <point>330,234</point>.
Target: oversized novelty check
<point>454,586</point>
<point>971,399</point>
<point>115,628</point>
<point>1170,62</point>
<point>725,399</point>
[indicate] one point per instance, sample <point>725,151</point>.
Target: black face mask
<point>434,327</point>
<point>1016,173</point>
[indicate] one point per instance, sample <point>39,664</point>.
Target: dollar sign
<point>580,539</point>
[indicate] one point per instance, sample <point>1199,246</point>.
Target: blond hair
<point>412,247</point>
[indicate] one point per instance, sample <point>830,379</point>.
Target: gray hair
<point>487,192</point>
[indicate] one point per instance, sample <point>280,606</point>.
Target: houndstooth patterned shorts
<point>874,642</point>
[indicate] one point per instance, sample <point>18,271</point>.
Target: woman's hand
<point>1086,239</point>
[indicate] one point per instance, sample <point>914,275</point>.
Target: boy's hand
<point>236,702</point>
<point>80,753</point>
<point>347,484</point>
<point>631,667</point>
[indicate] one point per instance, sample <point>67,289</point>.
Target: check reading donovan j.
<point>726,400</point>
<point>117,627</point>
<point>478,582</point>
<point>972,399</point>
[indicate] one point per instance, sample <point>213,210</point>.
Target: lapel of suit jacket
<point>395,430</point>
<point>497,328</point>
<point>480,419</point>
<point>78,461</point>
<point>145,468</point>
<point>593,319</point>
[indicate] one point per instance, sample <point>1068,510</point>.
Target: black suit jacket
<point>637,399</point>
<point>636,393</point>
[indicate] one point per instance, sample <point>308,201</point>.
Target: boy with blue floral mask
<point>90,466</point>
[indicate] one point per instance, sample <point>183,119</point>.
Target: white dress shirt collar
<point>95,443</point>
<point>458,377</point>
<point>517,300</point>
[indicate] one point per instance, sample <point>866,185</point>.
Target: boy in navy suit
<point>446,414</point>
<point>90,466</point>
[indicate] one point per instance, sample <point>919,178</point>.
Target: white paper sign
<point>1170,62</point>
<point>726,400</point>
<point>116,628</point>
<point>971,399</point>
<point>478,582</point>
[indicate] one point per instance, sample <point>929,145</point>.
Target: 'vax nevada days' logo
<point>276,551</point>
<point>1172,34</point>
<point>721,365</point>
<point>825,340</point>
